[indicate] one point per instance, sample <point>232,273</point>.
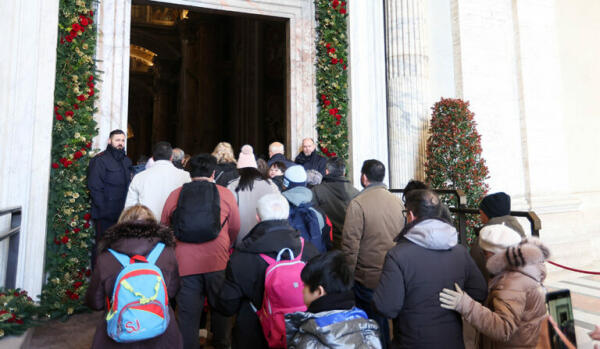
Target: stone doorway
<point>198,77</point>
<point>117,38</point>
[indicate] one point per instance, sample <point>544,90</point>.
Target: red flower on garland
<point>64,239</point>
<point>343,11</point>
<point>91,78</point>
<point>84,21</point>
<point>335,3</point>
<point>87,216</point>
<point>334,61</point>
<point>81,98</point>
<point>69,38</point>
<point>88,145</point>
<point>75,106</point>
<point>338,123</point>
<point>77,155</point>
<point>59,117</point>
<point>86,225</point>
<point>54,165</point>
<point>69,113</point>
<point>327,102</point>
<point>77,284</point>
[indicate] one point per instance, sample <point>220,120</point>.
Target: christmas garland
<point>454,154</point>
<point>332,77</point>
<point>17,312</point>
<point>69,233</point>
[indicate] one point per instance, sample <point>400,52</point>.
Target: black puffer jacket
<point>245,278</point>
<point>109,174</point>
<point>312,162</point>
<point>225,173</point>
<point>426,260</point>
<point>333,196</point>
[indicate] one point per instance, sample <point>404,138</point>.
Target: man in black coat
<point>244,282</point>
<point>309,158</point>
<point>109,174</point>
<point>333,196</point>
<point>277,153</point>
<point>426,259</point>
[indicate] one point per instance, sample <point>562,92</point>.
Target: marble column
<point>407,61</point>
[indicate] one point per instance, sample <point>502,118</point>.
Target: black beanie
<point>495,205</point>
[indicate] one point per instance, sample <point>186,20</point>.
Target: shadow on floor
<point>76,333</point>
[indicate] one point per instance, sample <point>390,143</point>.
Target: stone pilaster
<point>407,60</point>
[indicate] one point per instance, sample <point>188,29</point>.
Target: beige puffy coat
<point>515,308</point>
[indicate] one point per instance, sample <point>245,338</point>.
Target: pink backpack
<point>283,295</point>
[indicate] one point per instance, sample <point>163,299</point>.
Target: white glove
<point>450,299</point>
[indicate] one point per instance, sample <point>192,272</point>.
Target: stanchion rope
<point>573,269</point>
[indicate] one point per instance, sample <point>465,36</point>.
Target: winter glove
<point>450,299</point>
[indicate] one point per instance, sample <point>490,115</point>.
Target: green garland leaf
<point>332,77</point>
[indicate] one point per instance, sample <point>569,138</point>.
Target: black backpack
<point>197,217</point>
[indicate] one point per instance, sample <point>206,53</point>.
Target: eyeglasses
<point>405,213</point>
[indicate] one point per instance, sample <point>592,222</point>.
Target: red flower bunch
<point>78,27</point>
<point>65,162</point>
<point>342,8</point>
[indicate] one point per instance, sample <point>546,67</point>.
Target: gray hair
<point>178,154</point>
<point>313,177</point>
<point>272,207</point>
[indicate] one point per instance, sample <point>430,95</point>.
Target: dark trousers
<point>363,297</point>
<point>100,226</point>
<point>190,304</point>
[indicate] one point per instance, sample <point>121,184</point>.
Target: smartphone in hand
<point>561,309</point>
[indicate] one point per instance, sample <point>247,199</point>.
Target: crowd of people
<point>281,253</point>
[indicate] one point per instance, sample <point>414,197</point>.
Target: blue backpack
<point>139,308</point>
<point>305,219</point>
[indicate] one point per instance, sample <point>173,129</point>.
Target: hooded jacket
<point>314,161</point>
<point>332,321</point>
<point>245,278</point>
<point>477,252</point>
<point>108,267</point>
<point>302,195</point>
<point>333,196</point>
<point>373,220</point>
<point>516,306</point>
<point>426,259</point>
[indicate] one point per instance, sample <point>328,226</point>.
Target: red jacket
<point>211,255</point>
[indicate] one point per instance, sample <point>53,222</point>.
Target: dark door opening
<point>198,78</point>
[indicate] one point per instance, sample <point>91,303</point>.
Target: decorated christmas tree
<point>454,154</point>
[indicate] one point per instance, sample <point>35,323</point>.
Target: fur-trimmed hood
<point>136,230</point>
<point>527,257</point>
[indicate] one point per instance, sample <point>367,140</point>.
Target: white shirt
<point>153,186</point>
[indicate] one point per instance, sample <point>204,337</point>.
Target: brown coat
<point>477,252</point>
<point>212,255</point>
<point>515,308</point>
<point>104,277</point>
<point>373,220</point>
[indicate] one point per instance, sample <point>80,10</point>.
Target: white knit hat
<point>498,237</point>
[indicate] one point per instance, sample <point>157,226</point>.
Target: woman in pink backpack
<point>136,233</point>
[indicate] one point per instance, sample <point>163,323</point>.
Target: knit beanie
<point>246,158</point>
<point>495,205</point>
<point>496,238</point>
<point>294,176</point>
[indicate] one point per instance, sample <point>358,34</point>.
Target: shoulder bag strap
<point>155,253</point>
<point>123,259</point>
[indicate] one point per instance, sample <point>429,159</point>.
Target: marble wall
<point>29,34</point>
<point>368,114</point>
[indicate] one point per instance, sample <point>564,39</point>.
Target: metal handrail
<point>13,236</point>
<point>461,210</point>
